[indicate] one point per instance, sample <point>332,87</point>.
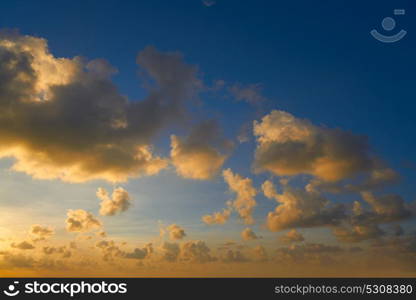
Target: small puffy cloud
<point>81,221</point>
<point>199,156</point>
<point>49,250</point>
<point>74,124</point>
<point>291,146</point>
<point>244,202</point>
<point>102,234</point>
<point>248,234</point>
<point>176,232</point>
<point>119,201</point>
<point>41,232</point>
<point>23,245</point>
<point>139,253</point>
<point>217,217</point>
<point>292,236</point>
<point>269,190</point>
<point>301,208</point>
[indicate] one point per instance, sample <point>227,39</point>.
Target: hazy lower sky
<point>206,138</point>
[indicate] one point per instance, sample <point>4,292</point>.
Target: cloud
<point>81,221</point>
<point>358,233</point>
<point>187,252</point>
<point>198,156</point>
<point>195,252</point>
<point>65,119</point>
<point>269,190</point>
<point>16,260</point>
<point>240,254</point>
<point>244,202</point>
<point>260,254</point>
<point>139,253</point>
<point>102,234</point>
<point>48,250</point>
<point>301,208</point>
<point>388,207</point>
<point>109,249</point>
<point>217,217</point>
<point>248,234</point>
<point>41,232</point>
<point>209,3</point>
<point>377,178</point>
<point>169,251</point>
<point>292,236</point>
<point>23,245</point>
<point>120,201</point>
<point>233,256</point>
<point>292,146</point>
<point>176,232</point>
<point>363,224</point>
<point>250,93</point>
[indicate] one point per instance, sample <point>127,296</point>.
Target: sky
<point>206,138</point>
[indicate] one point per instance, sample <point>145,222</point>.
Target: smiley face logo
<point>389,24</point>
<point>11,290</point>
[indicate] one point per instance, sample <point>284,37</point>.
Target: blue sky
<point>314,59</point>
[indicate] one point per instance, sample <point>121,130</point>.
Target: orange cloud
<point>81,221</point>
<point>244,202</point>
<point>291,146</point>
<point>248,234</point>
<point>119,201</point>
<point>196,157</point>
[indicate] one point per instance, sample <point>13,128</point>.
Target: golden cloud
<point>244,202</point>
<point>301,208</point>
<point>248,234</point>
<point>292,146</point>
<point>196,157</point>
<point>41,232</point>
<point>118,202</point>
<point>81,221</point>
<point>217,217</point>
<point>63,118</point>
<point>292,236</point>
<point>176,232</point>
